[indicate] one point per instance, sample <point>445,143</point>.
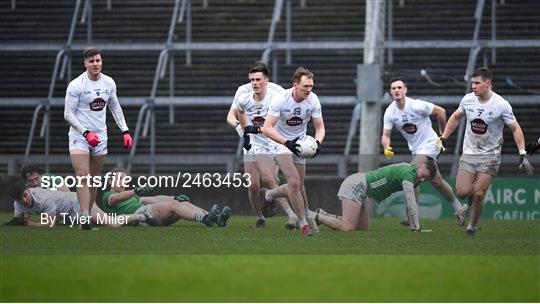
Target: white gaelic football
<point>307,146</point>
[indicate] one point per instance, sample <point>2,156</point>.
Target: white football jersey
<point>485,123</point>
<point>414,124</point>
<point>256,113</point>
<point>47,201</point>
<point>88,100</point>
<point>294,116</point>
<point>248,88</point>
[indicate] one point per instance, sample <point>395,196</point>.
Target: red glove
<point>128,141</point>
<point>91,138</point>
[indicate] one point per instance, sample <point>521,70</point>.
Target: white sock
<point>456,204</point>
<point>85,213</point>
<point>289,211</point>
<point>311,214</point>
<point>469,227</point>
<point>302,222</point>
<point>261,217</point>
<point>268,196</point>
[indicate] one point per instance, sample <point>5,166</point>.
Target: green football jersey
<point>128,206</point>
<point>381,183</point>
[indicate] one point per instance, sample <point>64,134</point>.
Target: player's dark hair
<point>297,76</point>
<point>431,165</point>
<point>91,51</point>
<point>483,72</point>
<point>16,188</point>
<point>29,170</point>
<point>260,66</point>
<point>399,78</point>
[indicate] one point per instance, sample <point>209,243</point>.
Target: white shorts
<point>282,149</point>
<point>259,150</point>
<point>480,163</point>
<point>78,142</point>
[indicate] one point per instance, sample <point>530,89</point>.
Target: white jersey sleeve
<point>73,92</point>
<point>243,89</point>
<point>116,109</point>
<point>507,114</point>
<point>423,107</point>
<point>387,119</point>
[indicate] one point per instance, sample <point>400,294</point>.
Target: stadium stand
<point>202,129</point>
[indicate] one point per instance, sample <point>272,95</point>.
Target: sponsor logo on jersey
<point>478,126</point>
<point>295,121</point>
<point>409,128</point>
<point>98,104</point>
<point>258,121</point>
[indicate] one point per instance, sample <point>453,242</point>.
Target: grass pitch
<point>189,262</point>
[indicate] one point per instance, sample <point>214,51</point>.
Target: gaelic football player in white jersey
<point>411,118</point>
<point>286,121</point>
<point>87,98</point>
<point>257,90</point>
<point>58,206</point>
<point>486,113</point>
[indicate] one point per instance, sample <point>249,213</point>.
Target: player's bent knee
<point>294,184</point>
<point>463,193</point>
<point>479,195</point>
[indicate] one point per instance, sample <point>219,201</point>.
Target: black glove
<point>247,145</point>
<point>252,130</point>
<point>143,191</point>
<point>16,221</point>
<point>291,145</point>
<point>318,149</point>
<point>532,147</point>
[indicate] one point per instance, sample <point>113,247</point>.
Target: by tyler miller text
<point>72,220</point>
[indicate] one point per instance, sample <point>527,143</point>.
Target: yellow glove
<point>388,152</point>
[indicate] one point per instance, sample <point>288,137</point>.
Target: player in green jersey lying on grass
<point>167,209</point>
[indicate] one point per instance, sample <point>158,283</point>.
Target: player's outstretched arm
<point>119,197</point>
<point>411,207</point>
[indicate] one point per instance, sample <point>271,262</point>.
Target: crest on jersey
<point>478,126</point>
<point>297,111</point>
<point>410,128</point>
<point>98,104</point>
<point>295,121</point>
<point>258,121</point>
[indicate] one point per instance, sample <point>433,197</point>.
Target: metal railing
<point>58,72</point>
<point>147,111</point>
